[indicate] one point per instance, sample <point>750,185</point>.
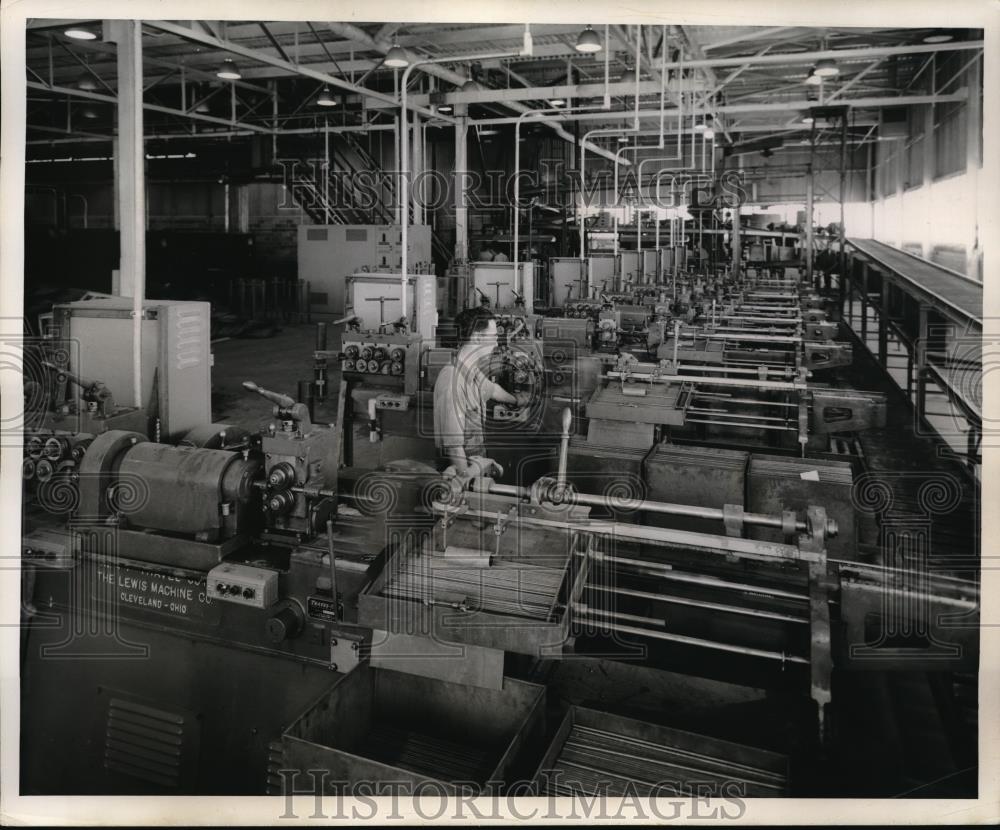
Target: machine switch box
<point>243,585</point>
<point>390,401</point>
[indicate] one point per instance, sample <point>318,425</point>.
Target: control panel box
<point>630,265</point>
<point>175,354</point>
<point>568,278</point>
<point>243,584</point>
<point>329,254</point>
<point>389,400</point>
<point>498,284</point>
<point>374,299</point>
<point>386,359</point>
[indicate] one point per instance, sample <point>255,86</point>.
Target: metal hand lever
<point>498,284</point>
<point>79,381</point>
<point>333,566</point>
<point>567,420</point>
<point>276,398</point>
<point>381,306</point>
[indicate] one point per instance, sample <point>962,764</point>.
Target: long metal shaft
<point>646,506</point>
<point>594,617</point>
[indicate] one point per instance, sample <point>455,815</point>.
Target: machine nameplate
<point>150,591</point>
<point>322,608</point>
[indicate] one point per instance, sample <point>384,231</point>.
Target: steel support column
<point>864,303</point>
<point>973,133</point>
<point>130,186</point>
<point>810,197</point>
<point>883,323</point>
<point>461,207</point>
<point>921,399</point>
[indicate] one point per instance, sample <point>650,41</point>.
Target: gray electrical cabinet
<point>329,254</point>
<point>176,366</point>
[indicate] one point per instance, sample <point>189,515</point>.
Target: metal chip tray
<point>511,591</point>
<point>595,752</point>
<point>381,726</point>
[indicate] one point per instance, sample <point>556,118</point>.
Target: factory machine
<point>329,254</point>
<point>499,286</point>
<point>229,606</point>
<point>195,591</point>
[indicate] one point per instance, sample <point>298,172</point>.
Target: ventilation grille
<point>316,234</point>
<point>275,763</point>
<point>151,744</point>
<point>356,235</point>
<point>190,339</point>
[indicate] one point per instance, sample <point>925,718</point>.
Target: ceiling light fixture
<point>700,128</point>
<point>557,102</point>
<point>588,41</point>
<point>813,79</point>
<point>826,68</point>
<point>472,86</point>
<point>202,108</point>
<point>445,108</point>
<point>228,71</point>
<point>325,99</point>
<point>86,82</point>
<point>89,112</point>
<point>808,119</point>
<point>708,134</point>
<point>622,139</point>
<point>938,38</point>
<point>79,33</point>
<point>396,57</point>
<point>488,131</point>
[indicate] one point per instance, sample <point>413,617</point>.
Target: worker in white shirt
<point>500,256</point>
<point>463,390</point>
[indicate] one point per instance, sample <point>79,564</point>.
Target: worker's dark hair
<point>471,320</point>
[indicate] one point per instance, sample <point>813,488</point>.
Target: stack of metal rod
<point>430,755</point>
<point>477,583</point>
<point>593,761</point>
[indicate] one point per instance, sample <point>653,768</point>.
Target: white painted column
<point>461,210</point>
<point>973,129</point>
<point>927,187</point>
<point>130,186</point>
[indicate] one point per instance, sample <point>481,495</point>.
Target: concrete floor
<point>277,363</point>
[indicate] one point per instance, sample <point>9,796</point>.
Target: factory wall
<point>927,169</point>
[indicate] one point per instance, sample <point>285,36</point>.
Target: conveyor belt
<point>940,287</point>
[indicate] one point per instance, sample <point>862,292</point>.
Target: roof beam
<point>544,93</point>
<point>752,33</point>
<point>783,107</point>
<point>277,46</point>
<point>261,57</point>
<point>452,77</point>
<point>706,69</point>
<point>149,60</point>
<point>96,96</point>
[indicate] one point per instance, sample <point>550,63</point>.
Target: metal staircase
<point>342,202</point>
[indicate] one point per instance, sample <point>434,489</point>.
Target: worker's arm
<point>449,420</point>
<point>455,453</point>
<point>495,392</point>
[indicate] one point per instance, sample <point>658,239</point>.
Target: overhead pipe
<point>351,32</point>
<point>783,107</point>
<point>517,166</point>
<point>583,149</point>
<point>405,150</point>
<point>188,33</point>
